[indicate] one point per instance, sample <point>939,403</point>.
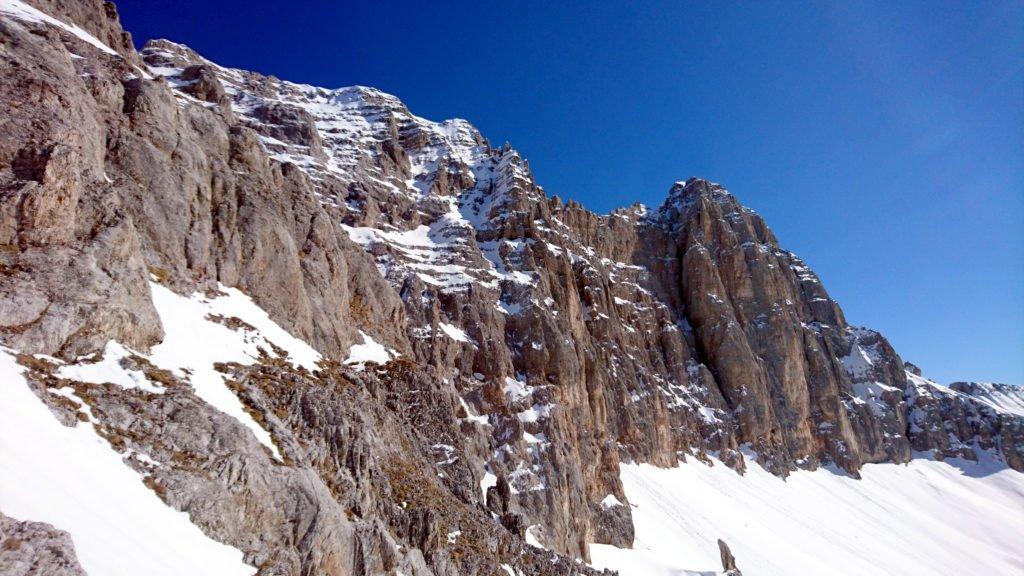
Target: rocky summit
<point>344,339</point>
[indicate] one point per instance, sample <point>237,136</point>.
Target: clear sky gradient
<point>883,142</point>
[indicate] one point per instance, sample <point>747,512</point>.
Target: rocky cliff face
<point>36,548</point>
<point>531,344</point>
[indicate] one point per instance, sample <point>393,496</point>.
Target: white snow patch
<point>237,304</point>
<point>146,459</point>
<point>109,370</point>
<point>193,343</point>
<point>71,478</point>
<point>531,536</point>
<point>69,393</point>
<point>516,390</point>
<point>536,412</point>
<point>481,419</point>
<point>510,308</point>
<point>859,362</point>
<point>453,332</point>
<point>369,351</point>
<point>610,501</point>
<point>538,439</point>
<point>486,482</point>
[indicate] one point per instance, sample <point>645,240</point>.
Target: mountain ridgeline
<point>530,344</point>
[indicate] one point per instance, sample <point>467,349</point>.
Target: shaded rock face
<point>36,549</point>
<point>728,560</point>
<point>539,343</point>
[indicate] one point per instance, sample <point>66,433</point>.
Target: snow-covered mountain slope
<point>925,517</point>
<point>73,479</point>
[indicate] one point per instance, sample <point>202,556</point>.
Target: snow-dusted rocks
<point>966,420</point>
<point>1002,397</point>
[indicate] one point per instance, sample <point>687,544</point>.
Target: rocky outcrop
<point>110,180</point>
<point>36,549</point>
<point>728,560</point>
<point>959,420</point>
<point>357,490</point>
<point>537,344</point>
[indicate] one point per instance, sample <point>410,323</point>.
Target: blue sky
<point>883,142</point>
